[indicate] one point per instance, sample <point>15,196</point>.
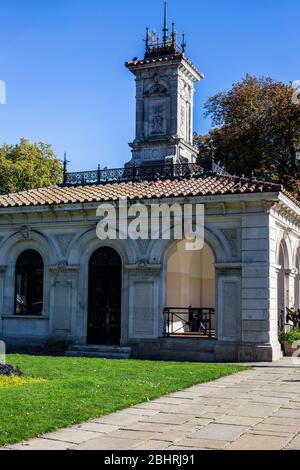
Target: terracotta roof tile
<point>200,186</point>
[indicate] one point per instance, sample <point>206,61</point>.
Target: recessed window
<point>29,284</point>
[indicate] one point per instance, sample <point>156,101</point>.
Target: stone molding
<point>143,266</point>
<point>228,266</point>
<point>61,268</point>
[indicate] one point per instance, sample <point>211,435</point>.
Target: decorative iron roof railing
<point>133,173</point>
<point>139,173</point>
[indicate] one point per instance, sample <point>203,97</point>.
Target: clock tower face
<point>164,102</point>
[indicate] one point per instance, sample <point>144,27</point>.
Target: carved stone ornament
<point>157,120</point>
<point>142,263</point>
<point>64,242</point>
<point>231,235</point>
<point>143,246</point>
<point>25,232</point>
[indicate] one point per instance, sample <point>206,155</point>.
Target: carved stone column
<point>291,275</point>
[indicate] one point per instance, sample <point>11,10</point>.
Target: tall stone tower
<point>165,81</point>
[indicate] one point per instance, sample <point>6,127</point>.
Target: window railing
<point>189,322</point>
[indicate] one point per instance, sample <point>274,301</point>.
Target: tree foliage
<point>28,166</point>
<point>256,131</point>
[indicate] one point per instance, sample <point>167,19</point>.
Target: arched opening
<point>282,287</point>
<point>191,292</point>
<point>29,284</point>
<point>297,282</point>
<point>105,286</point>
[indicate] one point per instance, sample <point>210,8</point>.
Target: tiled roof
<point>200,186</point>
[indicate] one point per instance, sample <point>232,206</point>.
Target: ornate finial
<point>183,45</point>
<point>173,34</point>
<point>165,46</point>
<point>147,39</point>
<point>165,30</point>
<point>65,168</point>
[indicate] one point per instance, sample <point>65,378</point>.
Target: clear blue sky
<point>63,63</point>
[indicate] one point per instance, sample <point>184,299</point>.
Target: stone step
<point>98,355</point>
<point>100,348</point>
<point>99,351</point>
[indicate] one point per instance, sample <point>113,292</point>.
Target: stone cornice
<point>143,266</point>
<point>287,215</point>
<point>225,266</point>
<point>64,268</point>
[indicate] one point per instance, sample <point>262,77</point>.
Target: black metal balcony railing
<point>133,173</point>
<point>139,173</point>
<point>189,322</point>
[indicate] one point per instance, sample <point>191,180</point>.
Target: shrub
<point>291,336</point>
<point>9,371</point>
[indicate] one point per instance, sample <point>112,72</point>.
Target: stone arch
<point>157,87</point>
<point>80,251</point>
<point>13,247</point>
<point>158,250</point>
<point>284,263</point>
<point>297,278</point>
<point>16,243</point>
<point>283,246</point>
<point>84,245</point>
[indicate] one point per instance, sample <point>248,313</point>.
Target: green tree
<point>28,166</point>
<point>256,130</point>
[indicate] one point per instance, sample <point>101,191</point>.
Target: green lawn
<point>77,390</point>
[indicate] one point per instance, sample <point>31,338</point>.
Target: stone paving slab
<point>202,443</point>
<point>258,442</point>
<point>72,435</point>
<point>97,427</point>
<point>108,443</point>
<point>41,444</point>
<point>294,444</point>
<point>251,410</point>
<point>237,420</point>
<point>220,432</point>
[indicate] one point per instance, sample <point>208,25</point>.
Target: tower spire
<point>165,30</point>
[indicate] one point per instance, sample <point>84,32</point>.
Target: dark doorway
<point>105,284</point>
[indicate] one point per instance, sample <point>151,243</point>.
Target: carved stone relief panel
<point>233,239</point>
<point>64,243</point>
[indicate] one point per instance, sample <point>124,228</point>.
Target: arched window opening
<point>297,283</point>
<point>282,288</point>
<point>190,292</point>
<point>29,284</point>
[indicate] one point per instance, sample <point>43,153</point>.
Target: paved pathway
<point>255,409</point>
